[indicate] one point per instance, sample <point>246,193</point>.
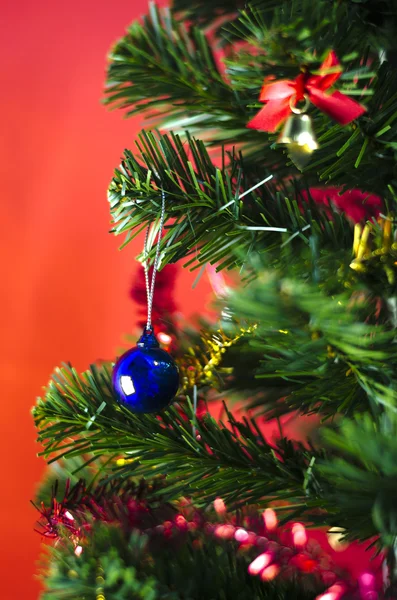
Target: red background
<point>65,285</point>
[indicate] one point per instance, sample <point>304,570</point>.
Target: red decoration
<point>358,205</point>
<point>271,549</point>
<point>305,563</point>
<point>280,95</point>
<point>57,516</point>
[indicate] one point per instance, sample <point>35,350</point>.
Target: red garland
<point>279,95</point>
<point>272,550</point>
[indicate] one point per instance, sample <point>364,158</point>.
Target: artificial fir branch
<point>369,14</point>
<point>169,69</point>
<point>80,414</point>
<point>120,568</point>
<point>82,409</point>
<point>206,13</point>
<point>210,222</point>
<point>316,351</point>
<point>362,475</point>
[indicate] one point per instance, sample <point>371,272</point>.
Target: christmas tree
<point>268,158</point>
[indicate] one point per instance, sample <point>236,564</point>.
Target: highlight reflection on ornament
<point>146,377</point>
<point>127,385</point>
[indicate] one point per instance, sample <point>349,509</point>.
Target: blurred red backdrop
<point>65,285</point>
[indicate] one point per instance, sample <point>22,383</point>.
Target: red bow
<point>278,96</point>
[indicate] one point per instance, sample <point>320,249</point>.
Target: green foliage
<point>323,341</point>
<point>352,155</point>
<point>205,13</point>
<point>209,220</point>
<point>362,476</point>
<point>373,16</point>
<point>82,411</point>
<point>168,69</point>
<point>197,192</point>
<point>107,566</point>
<point>60,474</point>
<point>80,414</point>
<point>299,33</point>
<point>316,350</point>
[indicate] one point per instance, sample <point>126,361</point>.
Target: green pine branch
<point>370,15</point>
<point>311,352</point>
<point>362,476</point>
<point>364,152</point>
<point>80,414</point>
<point>301,33</point>
<point>107,567</point>
<point>169,69</point>
<point>207,13</point>
<point>210,223</point>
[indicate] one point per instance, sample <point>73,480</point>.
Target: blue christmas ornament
<point>146,377</point>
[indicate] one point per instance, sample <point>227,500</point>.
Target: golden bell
<point>299,136</point>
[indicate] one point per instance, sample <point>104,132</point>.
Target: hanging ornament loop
<point>299,110</point>
<point>148,339</point>
<point>145,263</point>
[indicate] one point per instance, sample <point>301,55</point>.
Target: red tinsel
<point>164,305</point>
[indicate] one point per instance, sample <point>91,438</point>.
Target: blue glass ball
<point>146,377</point>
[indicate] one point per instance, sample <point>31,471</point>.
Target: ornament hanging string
<point>194,430</point>
<point>146,378</point>
<point>145,263</point>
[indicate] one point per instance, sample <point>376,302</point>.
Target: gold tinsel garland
<point>200,364</point>
<point>375,249</point>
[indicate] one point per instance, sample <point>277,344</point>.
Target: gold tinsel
<point>99,583</point>
<point>375,250</point>
<point>199,365</point>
